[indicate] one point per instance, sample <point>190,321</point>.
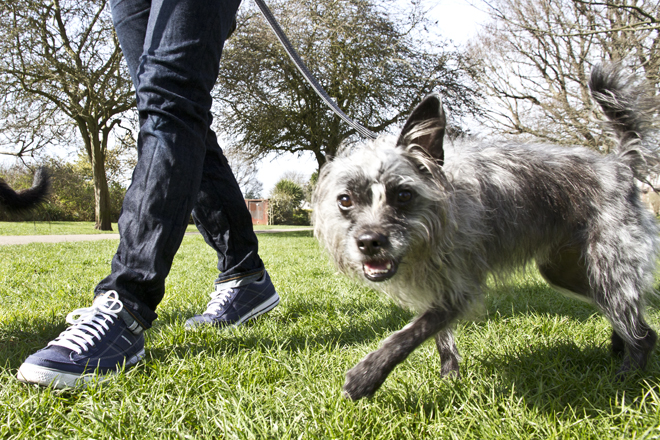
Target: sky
<point>457,20</point>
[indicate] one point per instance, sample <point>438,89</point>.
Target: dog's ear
<point>426,127</point>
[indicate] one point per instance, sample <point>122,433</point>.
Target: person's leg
<point>174,77</point>
<point>243,290</point>
<point>227,230</point>
<point>220,212</point>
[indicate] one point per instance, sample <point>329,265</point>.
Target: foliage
<point>285,204</point>
<point>374,62</point>
<point>72,192</point>
<point>62,78</point>
<point>535,365</point>
<point>537,56</point>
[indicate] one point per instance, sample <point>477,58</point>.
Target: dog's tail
<point>630,111</point>
<point>28,198</point>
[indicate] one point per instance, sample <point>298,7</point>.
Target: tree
<point>61,72</point>
<point>245,171</point>
<point>374,64</point>
<point>537,56</point>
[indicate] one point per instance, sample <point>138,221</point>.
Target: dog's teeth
<point>378,268</point>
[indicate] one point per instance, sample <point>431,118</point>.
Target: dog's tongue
<point>378,266</point>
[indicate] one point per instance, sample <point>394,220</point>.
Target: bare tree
<point>537,55</point>
<point>61,73</point>
<point>245,170</point>
<point>372,62</point>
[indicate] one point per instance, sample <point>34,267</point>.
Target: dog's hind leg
<point>565,270</point>
<point>618,286</point>
<point>632,337</point>
<point>623,307</point>
<point>446,345</point>
<point>366,377</point>
<point>618,344</point>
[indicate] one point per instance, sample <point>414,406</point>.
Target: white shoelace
<point>91,324</point>
<point>218,300</point>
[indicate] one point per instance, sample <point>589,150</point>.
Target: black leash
<point>307,74</point>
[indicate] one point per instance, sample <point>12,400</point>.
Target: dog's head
<point>382,206</point>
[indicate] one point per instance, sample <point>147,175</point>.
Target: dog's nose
<point>370,243</point>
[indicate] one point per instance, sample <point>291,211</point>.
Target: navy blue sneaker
<point>100,341</point>
<point>233,304</point>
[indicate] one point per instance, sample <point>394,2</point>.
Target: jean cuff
<point>240,280</point>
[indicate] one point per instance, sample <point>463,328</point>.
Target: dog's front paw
<point>364,379</point>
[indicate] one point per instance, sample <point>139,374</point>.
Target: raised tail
<point>29,198</point>
<point>630,111</point>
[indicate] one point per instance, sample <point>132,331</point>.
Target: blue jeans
<point>173,50</point>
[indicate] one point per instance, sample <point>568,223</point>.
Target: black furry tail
<point>630,111</point>
<point>26,199</point>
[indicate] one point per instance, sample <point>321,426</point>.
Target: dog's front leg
<point>366,377</point>
<point>449,358</point>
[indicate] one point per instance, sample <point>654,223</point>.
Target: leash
<point>365,132</point>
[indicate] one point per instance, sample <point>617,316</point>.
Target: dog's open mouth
<point>379,270</point>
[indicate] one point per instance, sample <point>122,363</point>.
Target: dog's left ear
<point>426,127</point>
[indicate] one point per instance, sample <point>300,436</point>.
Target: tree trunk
<point>96,153</point>
<point>101,197</point>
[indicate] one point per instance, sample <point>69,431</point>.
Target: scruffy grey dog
<point>27,199</point>
<point>428,229</point>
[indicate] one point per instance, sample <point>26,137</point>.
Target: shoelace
<point>91,324</point>
<point>218,300</point>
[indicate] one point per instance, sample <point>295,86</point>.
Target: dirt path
<point>26,239</point>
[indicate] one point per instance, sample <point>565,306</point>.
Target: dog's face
<point>375,209</point>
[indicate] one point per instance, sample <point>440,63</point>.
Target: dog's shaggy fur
<point>27,199</point>
<point>428,228</point>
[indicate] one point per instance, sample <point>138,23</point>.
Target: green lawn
<point>68,228</point>
<point>535,365</point>
<point>51,228</point>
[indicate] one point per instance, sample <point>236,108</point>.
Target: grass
<point>51,228</point>
<point>69,228</point>
<point>535,365</point>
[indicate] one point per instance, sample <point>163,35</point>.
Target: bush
<point>285,204</point>
<point>71,196</point>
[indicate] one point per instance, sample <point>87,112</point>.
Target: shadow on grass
<point>559,378</point>
<point>21,338</point>
<point>548,376</point>
<point>563,378</point>
<point>232,342</point>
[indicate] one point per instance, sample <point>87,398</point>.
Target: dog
<point>13,201</point>
<point>428,228</point>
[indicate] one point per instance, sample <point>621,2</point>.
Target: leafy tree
<point>377,65</point>
<point>537,56</point>
<point>61,75</point>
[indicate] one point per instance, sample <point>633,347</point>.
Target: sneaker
<point>232,305</point>
<point>98,343</point>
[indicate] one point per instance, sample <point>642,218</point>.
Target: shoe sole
<point>44,376</point>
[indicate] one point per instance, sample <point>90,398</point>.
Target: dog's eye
<point>345,201</point>
<point>403,197</point>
